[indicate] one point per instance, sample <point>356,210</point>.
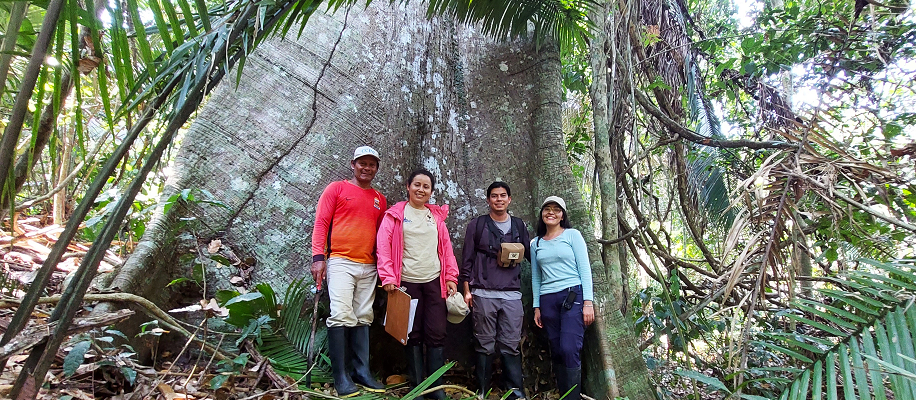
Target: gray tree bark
<point>424,93</point>
<point>607,176</point>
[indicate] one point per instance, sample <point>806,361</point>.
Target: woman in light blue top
<point>561,281</point>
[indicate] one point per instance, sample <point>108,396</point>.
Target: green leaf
<point>130,374</point>
<point>791,353</point>
<point>749,45</point>
<point>198,272</point>
<point>220,259</point>
<point>859,371</point>
<point>428,382</point>
<point>218,381</point>
<point>713,382</point>
<point>658,83</point>
<point>177,281</point>
<point>223,296</point>
<point>868,348</point>
<point>244,298</point>
<point>893,368</point>
<point>75,357</point>
<point>829,329</point>
<point>117,333</point>
<point>846,372</point>
<point>892,130</point>
<point>270,298</point>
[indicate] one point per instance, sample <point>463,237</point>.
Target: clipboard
<point>399,315</point>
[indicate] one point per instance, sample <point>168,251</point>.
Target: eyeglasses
<point>552,210</point>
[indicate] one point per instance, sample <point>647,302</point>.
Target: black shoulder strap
<point>481,222</point>
<point>498,233</point>
<point>517,227</point>
<point>485,222</point>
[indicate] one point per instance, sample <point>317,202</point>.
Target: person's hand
<point>452,287</point>
<point>319,272</point>
<point>588,312</point>
<point>468,299</point>
<point>537,318</point>
<point>390,287</point>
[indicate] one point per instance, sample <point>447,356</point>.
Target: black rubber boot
<point>574,381</point>
<point>512,369</point>
<point>414,365</point>
<point>559,370</point>
<point>359,360</point>
<point>337,351</point>
<point>434,361</point>
<point>483,373</point>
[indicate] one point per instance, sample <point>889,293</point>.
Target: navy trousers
<point>565,328</point>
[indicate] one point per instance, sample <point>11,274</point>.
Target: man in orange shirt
<point>343,250</point>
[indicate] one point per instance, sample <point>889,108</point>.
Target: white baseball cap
<point>365,151</point>
<point>554,199</point>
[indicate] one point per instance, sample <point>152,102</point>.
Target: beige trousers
<point>351,287</point>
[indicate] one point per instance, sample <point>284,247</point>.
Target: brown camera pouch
<point>510,254</point>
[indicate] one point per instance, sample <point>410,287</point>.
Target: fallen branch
<point>268,369</point>
<point>148,308</point>
<point>31,336</point>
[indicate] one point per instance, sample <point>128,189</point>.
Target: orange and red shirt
<point>351,215</point>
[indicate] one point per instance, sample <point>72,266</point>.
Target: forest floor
<point>106,366</point>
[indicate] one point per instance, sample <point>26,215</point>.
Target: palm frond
<point>699,105</point>
<point>705,173</point>
<point>563,21</point>
<point>287,345</point>
<point>707,184</point>
<point>867,359</point>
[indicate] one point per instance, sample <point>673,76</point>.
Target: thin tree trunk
<point>14,128</point>
<point>17,14</point>
<point>607,176</point>
<point>46,125</point>
<point>59,209</point>
<point>48,120</point>
<point>613,366</point>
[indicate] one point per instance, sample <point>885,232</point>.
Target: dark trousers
<point>430,321</point>
<point>565,328</point>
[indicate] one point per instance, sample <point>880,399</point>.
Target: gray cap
<point>365,151</point>
<point>554,199</point>
<point>457,308</point>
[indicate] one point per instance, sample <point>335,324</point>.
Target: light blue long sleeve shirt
<point>560,263</point>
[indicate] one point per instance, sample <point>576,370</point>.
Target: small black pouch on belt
<point>570,299</point>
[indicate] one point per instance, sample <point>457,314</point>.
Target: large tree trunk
<point>425,94</point>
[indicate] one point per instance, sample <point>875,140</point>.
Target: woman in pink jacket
<point>415,252</point>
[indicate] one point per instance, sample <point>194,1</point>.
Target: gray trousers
<point>497,325</point>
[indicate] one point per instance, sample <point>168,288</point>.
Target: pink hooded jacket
<point>390,246</point>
